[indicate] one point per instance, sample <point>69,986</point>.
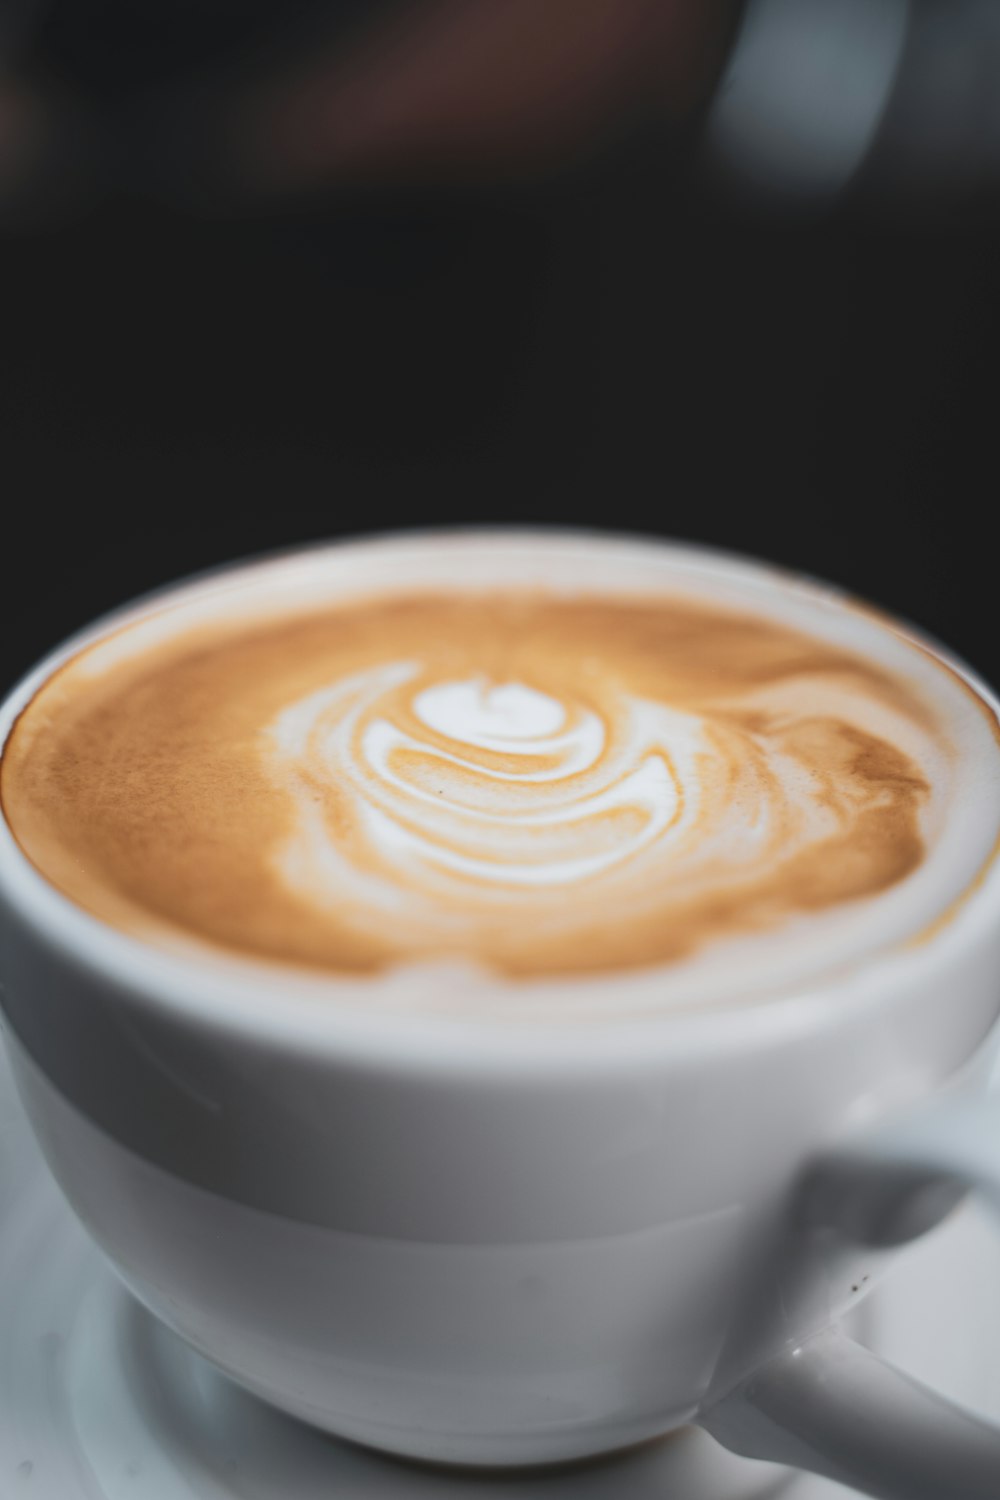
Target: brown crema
<point>544,783</point>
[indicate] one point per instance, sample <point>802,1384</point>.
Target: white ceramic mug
<point>482,1242</point>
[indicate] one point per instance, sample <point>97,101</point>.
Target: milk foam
<point>537,816</point>
<point>491,718</point>
<point>549,758</point>
<point>470,799</point>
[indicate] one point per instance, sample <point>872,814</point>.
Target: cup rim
<point>238,1001</point>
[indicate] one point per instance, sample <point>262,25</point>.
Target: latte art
<point>539,782</point>
<point>443,806</point>
<point>472,793</point>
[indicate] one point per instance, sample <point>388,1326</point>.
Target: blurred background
<point>278,270</point>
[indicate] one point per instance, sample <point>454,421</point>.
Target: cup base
<point>100,1401</point>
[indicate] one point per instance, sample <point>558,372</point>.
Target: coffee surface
<point>543,782</point>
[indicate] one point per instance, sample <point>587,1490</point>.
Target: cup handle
<point>829,1405</point>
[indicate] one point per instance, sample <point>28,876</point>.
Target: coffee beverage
<point>542,756</point>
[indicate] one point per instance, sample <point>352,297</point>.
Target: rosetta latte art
<point>473,792</point>
<point>480,806</point>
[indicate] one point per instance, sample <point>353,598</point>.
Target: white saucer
<point>99,1402</point>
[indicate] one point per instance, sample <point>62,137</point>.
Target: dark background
<point>614,346</point>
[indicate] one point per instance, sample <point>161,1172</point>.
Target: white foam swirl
<point>494,718</point>
<point>473,790</point>
<point>432,813</point>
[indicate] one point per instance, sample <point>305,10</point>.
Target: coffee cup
<point>480,1217</point>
